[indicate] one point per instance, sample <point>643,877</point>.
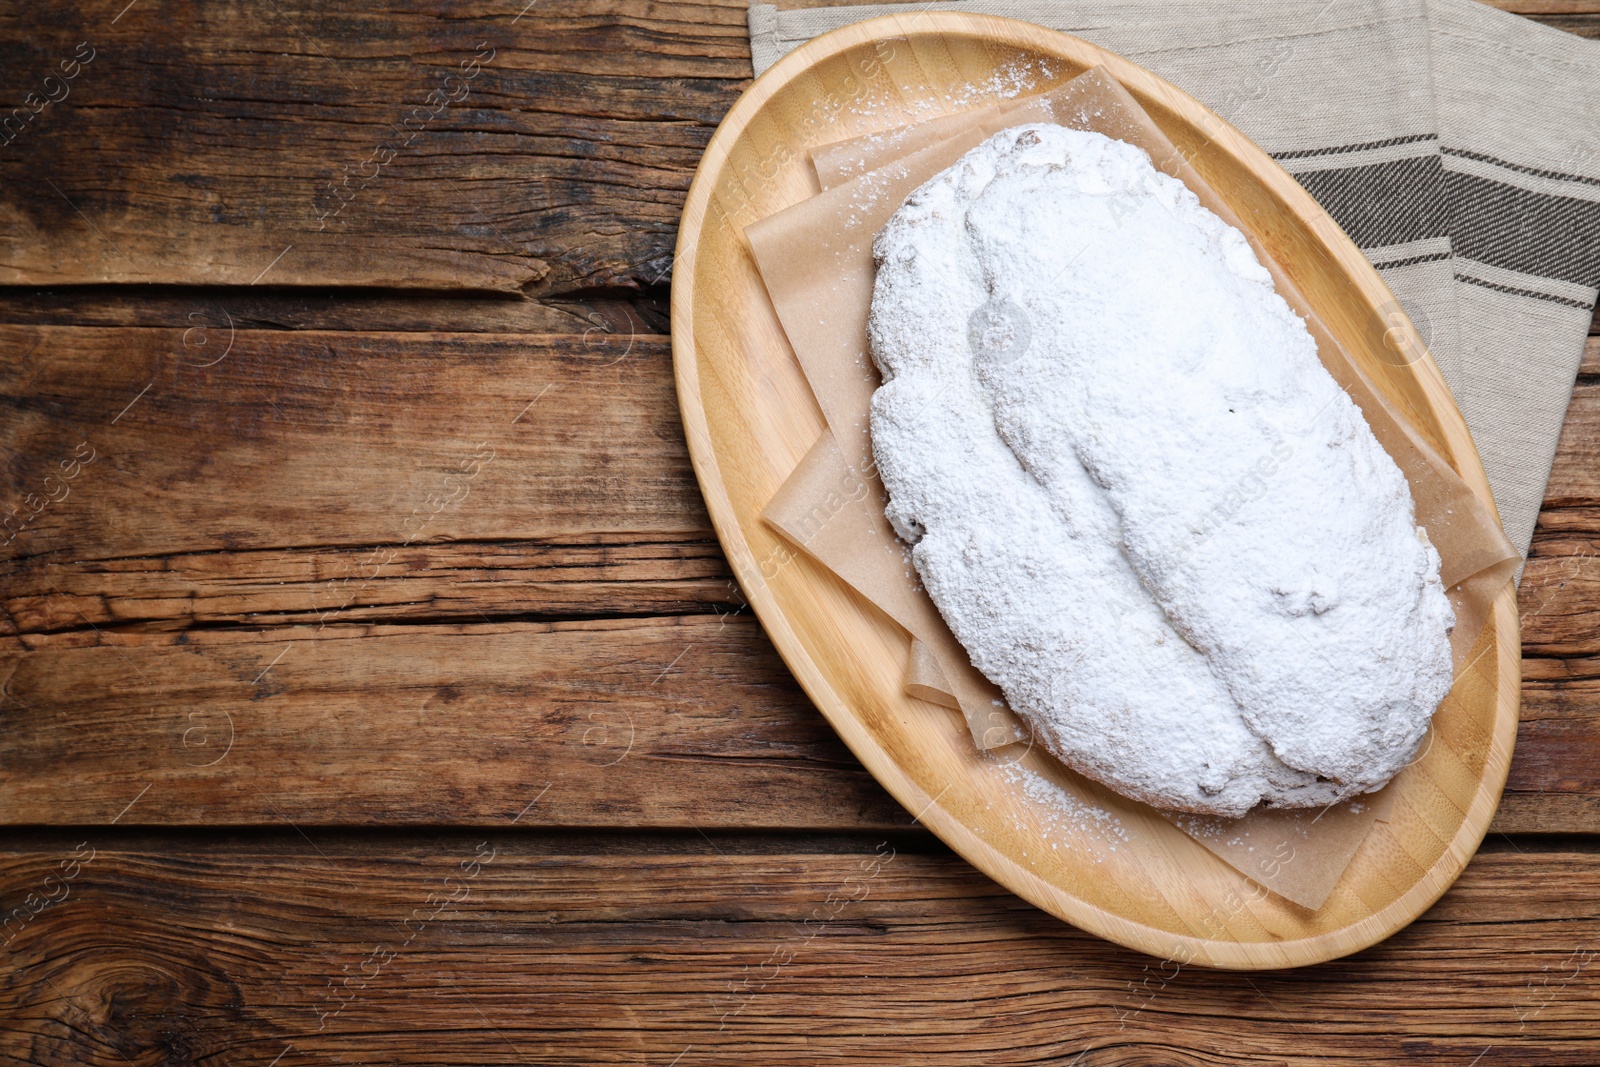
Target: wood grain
<point>336,439</point>
<point>622,311</point>
<point>676,722</point>
<point>604,575</point>
<point>201,143</point>
<point>1575,476</point>
<point>1561,682</point>
<point>329,947</point>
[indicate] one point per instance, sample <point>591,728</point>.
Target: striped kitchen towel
<point>1458,145</point>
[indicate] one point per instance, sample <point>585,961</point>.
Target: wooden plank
<point>1553,786</point>
<point>543,147</point>
<point>519,949</point>
<point>1560,727</point>
<point>692,721</point>
<point>217,309</point>
<point>605,575</point>
<point>1575,476</point>
<point>629,722</point>
<point>174,442</point>
<point>1559,599</point>
<point>308,477</point>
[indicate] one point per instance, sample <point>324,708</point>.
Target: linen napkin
<point>1459,146</point>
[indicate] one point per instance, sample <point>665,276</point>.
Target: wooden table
<point>374,690</point>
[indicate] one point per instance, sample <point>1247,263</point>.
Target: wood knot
<point>112,1007</point>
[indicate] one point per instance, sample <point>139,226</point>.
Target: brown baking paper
<point>816,261</point>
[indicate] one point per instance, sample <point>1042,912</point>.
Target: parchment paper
<point>816,261</point>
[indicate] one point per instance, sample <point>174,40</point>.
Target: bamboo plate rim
<point>821,688</point>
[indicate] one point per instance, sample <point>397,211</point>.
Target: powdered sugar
<point>1006,82</point>
<point>1136,496</point>
<point>1067,819</point>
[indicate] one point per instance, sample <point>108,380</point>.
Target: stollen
<point>1458,146</point>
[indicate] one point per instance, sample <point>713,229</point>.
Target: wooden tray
<point>750,417</point>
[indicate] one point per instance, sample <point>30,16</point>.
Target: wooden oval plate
<point>1128,875</point>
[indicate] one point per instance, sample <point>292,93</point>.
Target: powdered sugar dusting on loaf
<point>1137,497</point>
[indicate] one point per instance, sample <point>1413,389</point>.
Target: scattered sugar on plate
<point>1068,820</point>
